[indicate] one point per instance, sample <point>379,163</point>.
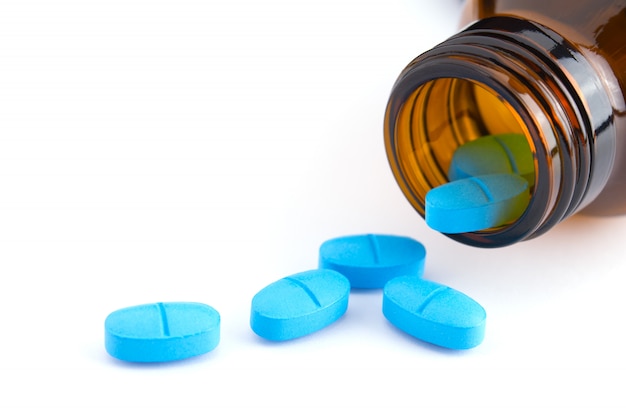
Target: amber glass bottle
<point>552,70</point>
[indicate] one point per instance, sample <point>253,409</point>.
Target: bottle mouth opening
<point>492,79</point>
<point>448,129</point>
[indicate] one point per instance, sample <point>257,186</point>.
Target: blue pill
<point>434,313</point>
<point>369,261</point>
<point>507,153</point>
<point>476,203</point>
<point>161,332</point>
<point>300,304</point>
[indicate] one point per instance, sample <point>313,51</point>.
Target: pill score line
<point>422,306</point>
<point>164,323</point>
<point>306,289</point>
<point>375,248</point>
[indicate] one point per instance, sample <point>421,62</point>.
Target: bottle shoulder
<point>598,23</point>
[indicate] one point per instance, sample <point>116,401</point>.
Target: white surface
<point>199,150</point>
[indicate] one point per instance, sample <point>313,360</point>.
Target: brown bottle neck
<point>561,102</point>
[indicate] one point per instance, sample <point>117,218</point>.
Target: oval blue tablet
<point>161,332</point>
<point>300,304</point>
<point>507,153</point>
<point>369,261</point>
<point>434,313</point>
<point>476,203</point>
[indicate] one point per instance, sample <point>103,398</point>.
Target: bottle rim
<point>537,73</point>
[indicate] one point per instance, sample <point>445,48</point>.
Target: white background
<point>170,150</point>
